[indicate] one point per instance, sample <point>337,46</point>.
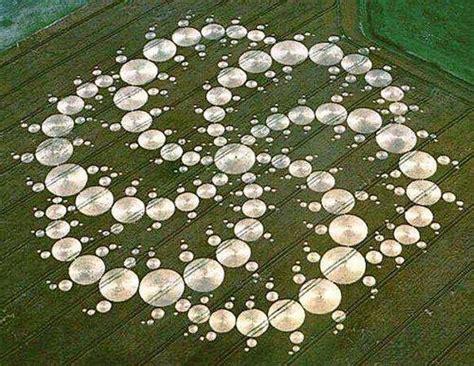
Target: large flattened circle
<point>119,284</point>
<point>320,296</point>
<point>234,159</point>
<point>138,72</point>
<point>66,180</point>
<point>343,265</point>
<point>162,287</point>
<point>289,52</point>
<point>204,274</point>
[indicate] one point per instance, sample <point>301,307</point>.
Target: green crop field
<point>187,202</point>
<point>20,19</point>
<point>439,32</point>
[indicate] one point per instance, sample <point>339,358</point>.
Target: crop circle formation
<point>236,153</point>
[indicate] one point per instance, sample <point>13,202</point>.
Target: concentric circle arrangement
<point>208,168</point>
